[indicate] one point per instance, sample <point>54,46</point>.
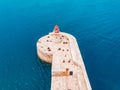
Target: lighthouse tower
<point>56,29</point>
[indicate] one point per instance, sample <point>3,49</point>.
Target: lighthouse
<point>56,29</point>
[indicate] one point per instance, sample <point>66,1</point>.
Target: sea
<point>94,23</point>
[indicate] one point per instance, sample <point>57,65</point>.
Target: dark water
<point>95,24</point>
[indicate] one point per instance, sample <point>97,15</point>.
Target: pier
<point>68,69</point>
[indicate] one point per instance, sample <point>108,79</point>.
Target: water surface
<point>95,24</point>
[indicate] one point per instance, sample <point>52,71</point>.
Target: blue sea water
<point>95,24</point>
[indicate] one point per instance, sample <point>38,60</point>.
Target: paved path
<point>68,70</point>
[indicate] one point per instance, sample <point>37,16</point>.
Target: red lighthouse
<point>56,29</point>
